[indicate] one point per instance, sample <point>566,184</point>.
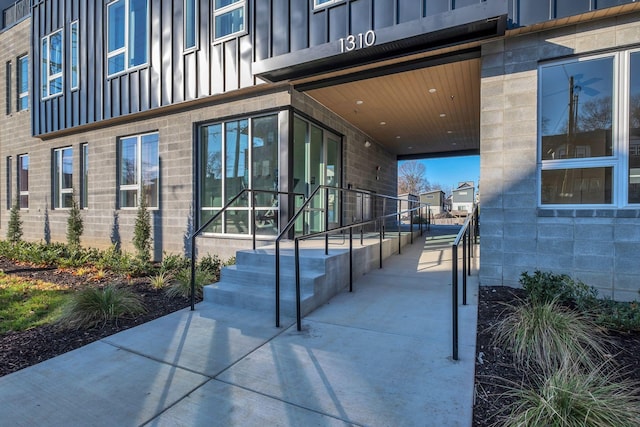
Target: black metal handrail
<point>468,232</point>
<point>229,204</point>
<point>284,232</point>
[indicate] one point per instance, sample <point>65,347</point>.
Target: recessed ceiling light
<point>359,102</point>
<point>410,147</point>
<point>454,143</point>
<point>449,131</point>
<point>432,90</point>
<point>383,123</point>
<point>443,115</point>
<point>397,136</point>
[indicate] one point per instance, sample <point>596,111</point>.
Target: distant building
<point>462,198</point>
<point>435,199</point>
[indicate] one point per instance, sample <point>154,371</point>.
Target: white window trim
<point>60,172</point>
<point>25,94</point>
<point>75,55</point>
<point>46,78</point>
<point>22,192</point>
<point>242,4</point>
<point>138,185</point>
<point>125,48</point>
<point>317,6</point>
<point>84,169</point>
<point>196,18</point>
<point>619,161</point>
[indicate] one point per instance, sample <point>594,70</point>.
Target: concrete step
<point>259,298</point>
<point>263,277</point>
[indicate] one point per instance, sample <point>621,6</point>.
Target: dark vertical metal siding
<point>282,29</point>
<point>299,27</point>
<point>172,75</point>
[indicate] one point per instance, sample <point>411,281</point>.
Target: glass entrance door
<point>316,161</point>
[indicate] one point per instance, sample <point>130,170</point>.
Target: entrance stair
<point>250,283</point>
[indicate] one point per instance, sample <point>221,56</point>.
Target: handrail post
<point>253,219</point>
<point>350,259</point>
<point>381,232</point>
<point>411,224</point>
<point>399,234</point>
<point>470,250</point>
<point>326,221</point>
<point>464,268</point>
<point>193,272</point>
<point>454,298</point>
<point>297,264</point>
<point>277,283</point>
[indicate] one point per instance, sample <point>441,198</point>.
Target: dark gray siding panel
<point>338,22</point>
<point>384,13</point>
<point>360,16</point>
<point>262,33</point>
<point>408,10</point>
<point>318,22</point>
<point>171,76</point>
<point>281,27</point>
<point>299,25</point>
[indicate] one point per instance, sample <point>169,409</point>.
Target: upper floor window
<point>8,87</point>
<point>586,151</point>
<point>62,178</point>
<point>229,18</point>
<point>190,24</point>
<point>23,180</point>
<point>23,83</point>
<point>321,3</point>
<point>75,53</point>
<point>127,35</point>
<point>139,165</point>
<point>52,64</point>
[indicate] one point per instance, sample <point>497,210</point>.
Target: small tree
<point>142,231</point>
<point>75,225</point>
<point>14,229</point>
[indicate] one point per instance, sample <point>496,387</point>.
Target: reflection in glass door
<point>316,161</point>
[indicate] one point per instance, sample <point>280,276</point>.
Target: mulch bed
<point>21,349</point>
<point>494,366</point>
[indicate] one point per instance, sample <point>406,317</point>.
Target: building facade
<point>187,102</point>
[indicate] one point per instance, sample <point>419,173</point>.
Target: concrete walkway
<point>380,356</point>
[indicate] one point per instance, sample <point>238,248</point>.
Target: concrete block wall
<point>597,246</point>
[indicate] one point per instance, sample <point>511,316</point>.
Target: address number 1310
<point>357,41</point>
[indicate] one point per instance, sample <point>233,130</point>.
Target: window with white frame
<point>75,55</point>
<point>190,24</point>
<point>52,64</point>
<point>62,178</point>
<point>23,180</point>
<point>127,35</point>
<point>229,17</point>
<point>139,170</point>
<point>589,149</point>
<point>23,83</point>
<point>322,3</point>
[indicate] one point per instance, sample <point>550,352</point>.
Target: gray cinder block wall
<point>597,246</point>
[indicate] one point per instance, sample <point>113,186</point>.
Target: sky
<point>449,171</point>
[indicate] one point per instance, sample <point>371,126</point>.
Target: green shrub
<point>75,225</point>
<point>91,307</point>
<point>173,262</point>
<point>621,316</point>
<point>14,228</point>
<point>211,263</point>
<point>181,285</point>
<point>568,398</point>
<point>142,231</point>
<point>548,336</point>
<point>544,287</point>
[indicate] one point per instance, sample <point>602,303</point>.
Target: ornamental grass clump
<point>547,336</point>
<point>571,398</point>
<point>180,286</point>
<point>92,307</point>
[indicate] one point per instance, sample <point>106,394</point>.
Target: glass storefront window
<point>577,186</point>
<point>634,130</point>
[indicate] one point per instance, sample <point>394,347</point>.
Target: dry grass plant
<point>547,336</point>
